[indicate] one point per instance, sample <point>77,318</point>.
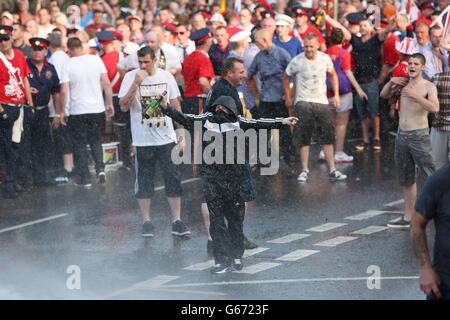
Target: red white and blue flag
<point>443,21</point>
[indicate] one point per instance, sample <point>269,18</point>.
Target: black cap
<point>427,5</point>
<point>105,36</point>
<point>268,14</point>
<point>356,17</point>
<point>39,42</point>
<point>201,35</point>
<point>6,30</point>
<point>227,102</point>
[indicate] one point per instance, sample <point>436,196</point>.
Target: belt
<point>38,108</point>
<point>12,105</point>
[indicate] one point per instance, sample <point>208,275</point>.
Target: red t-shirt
<point>313,29</point>
<point>401,70</point>
<point>10,91</point>
<point>390,54</point>
<point>195,66</point>
<point>110,60</point>
<point>346,59</point>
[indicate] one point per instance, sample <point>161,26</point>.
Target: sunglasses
<point>180,33</point>
<point>4,39</point>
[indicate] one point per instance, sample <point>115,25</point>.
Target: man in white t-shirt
<point>167,57</point>
<point>85,77</point>
<point>153,136</point>
<point>310,70</point>
<point>63,143</point>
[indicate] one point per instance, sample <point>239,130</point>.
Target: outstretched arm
<point>262,123</point>
<point>187,120</point>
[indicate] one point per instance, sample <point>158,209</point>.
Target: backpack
<point>345,85</point>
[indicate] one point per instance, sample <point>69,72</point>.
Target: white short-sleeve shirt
<point>310,77</point>
<point>142,133</point>
<point>83,74</point>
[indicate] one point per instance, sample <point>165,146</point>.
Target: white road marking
<point>33,222</point>
<point>297,255</point>
<point>369,230</point>
<point>182,182</point>
<point>326,227</point>
<point>262,266</point>
<point>201,266</point>
<point>365,215</point>
<point>252,252</point>
<point>144,285</point>
<point>335,241</point>
<point>272,281</point>
<point>210,263</point>
<point>393,203</point>
<point>289,238</point>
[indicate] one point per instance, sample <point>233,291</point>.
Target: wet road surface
<point>318,240</point>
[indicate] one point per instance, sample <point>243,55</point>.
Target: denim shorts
<point>313,116</point>
<point>369,107</point>
<point>413,148</point>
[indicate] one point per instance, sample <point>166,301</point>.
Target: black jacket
<point>226,132</point>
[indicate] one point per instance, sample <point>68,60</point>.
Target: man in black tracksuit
<point>223,180</point>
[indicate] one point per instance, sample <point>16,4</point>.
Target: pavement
<point>317,240</point>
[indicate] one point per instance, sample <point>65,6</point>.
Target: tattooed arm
<point>429,280</point>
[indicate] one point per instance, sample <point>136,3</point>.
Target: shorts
<point>413,148</point>
<point>120,117</point>
<point>146,159</point>
<point>313,116</point>
<point>346,103</point>
<point>63,140</point>
<point>248,191</point>
<point>369,107</point>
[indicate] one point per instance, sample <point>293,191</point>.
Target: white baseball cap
<point>284,20</point>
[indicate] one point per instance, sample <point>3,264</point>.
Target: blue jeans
<point>369,107</point>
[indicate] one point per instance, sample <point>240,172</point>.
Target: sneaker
<point>83,182</point>
<point>402,224</point>
<point>248,245</point>
<point>61,180</point>
<point>342,157</point>
<point>376,145</point>
<point>102,177</point>
<point>337,176</point>
<point>303,177</point>
<point>221,268</point>
<point>148,229</point>
<point>180,229</point>
<point>321,156</point>
<point>237,264</point>
<point>209,248</point>
<point>362,146</point>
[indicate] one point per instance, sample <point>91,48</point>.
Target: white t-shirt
<point>44,31</point>
<point>310,77</point>
<point>58,60</point>
<point>142,134</point>
<point>83,74</point>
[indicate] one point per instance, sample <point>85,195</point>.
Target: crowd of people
<point>67,70</point>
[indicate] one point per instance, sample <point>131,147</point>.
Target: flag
<point>223,5</point>
<point>443,21</point>
<point>237,6</point>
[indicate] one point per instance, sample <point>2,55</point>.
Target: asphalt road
<point>72,243</point>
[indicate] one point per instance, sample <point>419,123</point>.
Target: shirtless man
<point>412,145</point>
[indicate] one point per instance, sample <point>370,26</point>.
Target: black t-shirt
<point>367,57</point>
<point>433,202</point>
<point>224,88</point>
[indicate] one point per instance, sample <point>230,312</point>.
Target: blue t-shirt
<point>293,46</point>
<point>433,203</point>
